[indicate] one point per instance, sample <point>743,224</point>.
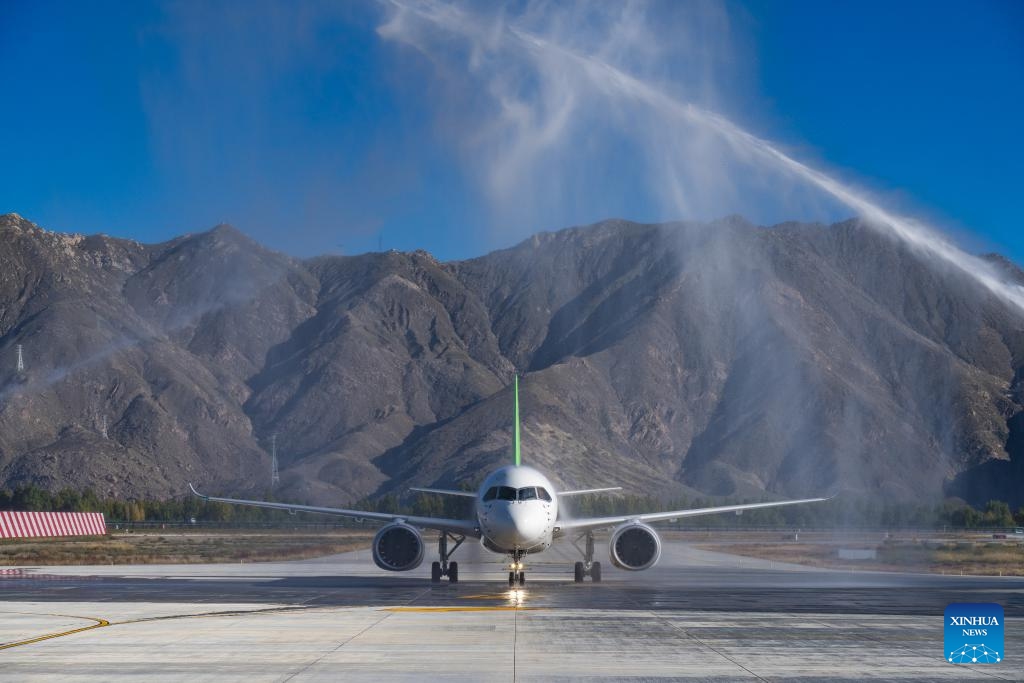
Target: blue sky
<point>313,132</point>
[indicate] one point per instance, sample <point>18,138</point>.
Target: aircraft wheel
<point>453,572</point>
<point>595,572</point>
<point>435,572</point>
<point>577,572</point>
<point>511,578</point>
<point>522,578</point>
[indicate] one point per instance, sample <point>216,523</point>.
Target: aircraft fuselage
<point>517,509</point>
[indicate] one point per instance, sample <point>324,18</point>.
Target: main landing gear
<point>516,575</point>
<point>587,567</point>
<point>444,567</point>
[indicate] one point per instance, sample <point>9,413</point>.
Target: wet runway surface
<point>698,615</point>
<point>742,590</point>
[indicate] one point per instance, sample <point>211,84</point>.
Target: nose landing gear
<point>444,567</point>
<point>587,567</point>
<point>516,575</point>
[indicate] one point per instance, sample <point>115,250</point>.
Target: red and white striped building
<point>51,524</point>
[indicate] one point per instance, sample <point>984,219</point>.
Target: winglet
<point>516,418</point>
<point>197,492</point>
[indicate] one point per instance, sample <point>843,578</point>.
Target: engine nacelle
<point>635,546</point>
<point>398,547</point>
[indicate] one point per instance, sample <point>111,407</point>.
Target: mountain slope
<point>722,358</point>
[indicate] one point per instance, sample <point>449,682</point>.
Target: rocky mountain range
<point>720,359</point>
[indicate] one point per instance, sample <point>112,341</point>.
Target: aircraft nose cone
<point>516,525</point>
<point>529,522</point>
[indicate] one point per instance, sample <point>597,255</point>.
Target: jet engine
<point>398,547</point>
<point>635,546</point>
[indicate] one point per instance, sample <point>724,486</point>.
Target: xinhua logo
<point>974,633</point>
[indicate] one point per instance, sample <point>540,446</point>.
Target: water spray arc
<point>275,476</point>
<point>614,83</point>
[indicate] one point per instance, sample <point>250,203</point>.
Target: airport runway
<point>698,615</point>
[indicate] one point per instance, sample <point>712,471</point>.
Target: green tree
<point>136,511</point>
<point>997,513</point>
<point>966,517</point>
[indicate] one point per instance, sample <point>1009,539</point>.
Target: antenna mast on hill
<point>275,478</point>
<point>21,360</point>
<point>103,427</point>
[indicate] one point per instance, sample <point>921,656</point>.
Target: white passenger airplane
<point>516,514</point>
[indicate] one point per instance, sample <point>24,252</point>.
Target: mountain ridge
<point>719,359</point>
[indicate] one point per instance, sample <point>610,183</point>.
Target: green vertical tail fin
<point>516,418</point>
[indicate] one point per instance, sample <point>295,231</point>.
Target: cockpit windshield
<point>528,493</point>
<point>509,493</point>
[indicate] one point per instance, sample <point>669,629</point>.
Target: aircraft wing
<point>466,527</point>
<point>444,492</point>
<point>565,526</point>
<point>583,492</point>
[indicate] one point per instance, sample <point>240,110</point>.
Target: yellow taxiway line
<point>100,623</point>
<point>495,608</point>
